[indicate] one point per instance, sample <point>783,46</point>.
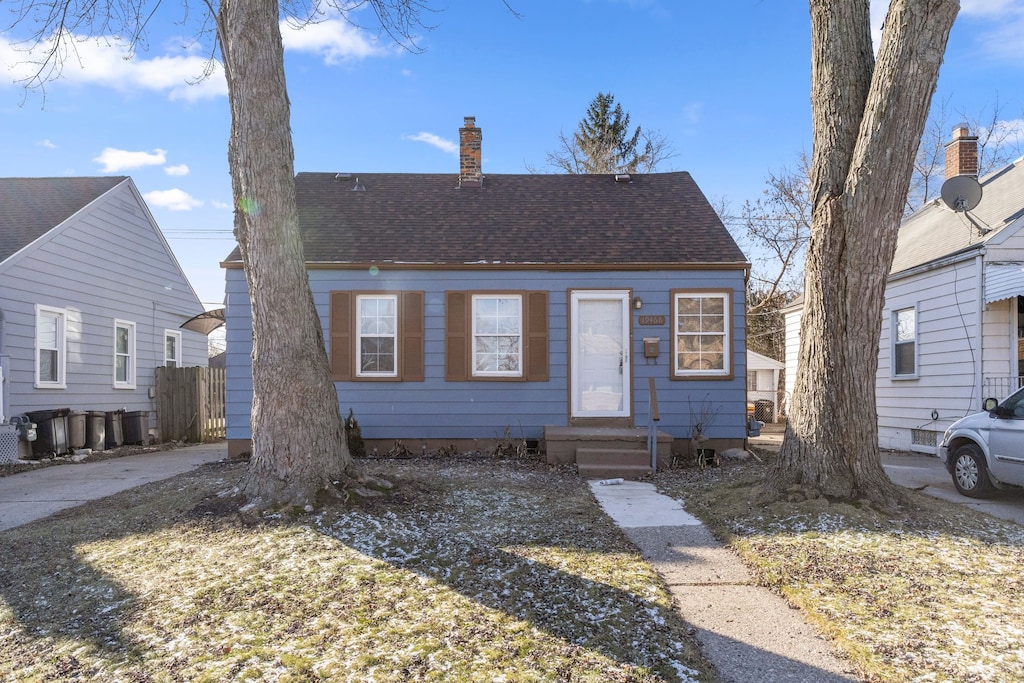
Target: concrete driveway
<point>927,473</point>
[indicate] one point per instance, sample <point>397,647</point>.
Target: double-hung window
<point>172,349</point>
<point>904,343</point>
<point>124,354</point>
<point>377,335</point>
<point>51,347</point>
<point>497,335</point>
<point>702,342</point>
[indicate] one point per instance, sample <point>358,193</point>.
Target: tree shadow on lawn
<point>525,542</point>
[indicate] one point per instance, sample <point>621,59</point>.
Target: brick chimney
<point>962,153</point>
<point>470,166</point>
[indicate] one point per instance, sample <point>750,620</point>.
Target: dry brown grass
<point>934,592</point>
<point>469,571</point>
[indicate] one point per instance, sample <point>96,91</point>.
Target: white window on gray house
<point>701,339</point>
<point>377,336</point>
<point>51,347</point>
<point>751,380</point>
<point>904,350</point>
<point>124,354</point>
<point>497,335</point>
<point>172,349</point>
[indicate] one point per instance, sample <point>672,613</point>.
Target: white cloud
<point>172,200</point>
<point>221,205</point>
<point>692,113</point>
<point>1009,132</point>
<point>335,39</point>
<point>996,26</point>
<point>115,160</point>
<point>442,144</point>
<point>179,170</point>
<point>48,144</point>
<point>109,63</point>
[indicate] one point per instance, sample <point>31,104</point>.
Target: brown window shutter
<point>536,317</point>
<point>342,359</point>
<point>412,337</point>
<point>456,336</point>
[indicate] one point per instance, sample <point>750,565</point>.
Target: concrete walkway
<point>747,632</point>
<point>28,496</point>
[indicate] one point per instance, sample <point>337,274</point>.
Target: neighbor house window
<point>124,354</point>
<point>497,335</point>
<point>51,347</point>
<point>377,336</point>
<point>172,349</point>
<point>701,324</point>
<point>904,350</point>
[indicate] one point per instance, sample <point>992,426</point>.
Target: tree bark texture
<point>868,119</point>
<point>298,441</point>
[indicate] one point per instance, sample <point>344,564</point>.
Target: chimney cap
<point>469,122</point>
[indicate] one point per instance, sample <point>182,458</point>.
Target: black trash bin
<point>96,430</point>
<point>76,429</point>
<point>113,427</point>
<point>51,432</point>
<point>136,427</point>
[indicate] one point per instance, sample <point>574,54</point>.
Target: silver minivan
<point>985,450</point>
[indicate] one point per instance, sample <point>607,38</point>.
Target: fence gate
<point>190,404</point>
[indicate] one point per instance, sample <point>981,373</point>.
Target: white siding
<point>108,262</point>
<point>792,317</point>
<point>948,356</point>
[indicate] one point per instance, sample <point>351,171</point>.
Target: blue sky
<point>726,83</point>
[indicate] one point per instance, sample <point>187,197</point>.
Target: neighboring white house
<point>763,386</point>
<point>91,297</point>
<point>952,327</point>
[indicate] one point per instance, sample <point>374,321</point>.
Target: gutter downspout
<point>979,262</point>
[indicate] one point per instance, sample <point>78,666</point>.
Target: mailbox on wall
<point>651,347</point>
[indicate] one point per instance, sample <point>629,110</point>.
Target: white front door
<point>599,348</point>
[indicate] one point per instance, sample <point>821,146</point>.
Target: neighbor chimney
<point>962,153</point>
<point>470,167</point>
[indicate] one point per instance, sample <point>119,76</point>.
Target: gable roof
<point>935,231</point>
<point>31,207</point>
<point>528,219</point>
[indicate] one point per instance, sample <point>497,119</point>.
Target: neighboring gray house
<point>953,322</point>
<point>91,297</point>
<point>456,305</point>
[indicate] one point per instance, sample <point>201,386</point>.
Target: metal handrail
<point>652,428</point>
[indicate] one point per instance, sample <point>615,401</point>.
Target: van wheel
<point>970,476</point>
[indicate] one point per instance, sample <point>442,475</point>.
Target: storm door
<point>599,352</point>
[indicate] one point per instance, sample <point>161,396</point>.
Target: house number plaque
<point>651,320</point>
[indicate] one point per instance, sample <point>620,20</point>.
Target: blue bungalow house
<point>458,305</point>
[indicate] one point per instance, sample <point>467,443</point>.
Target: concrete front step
<point>610,463</point>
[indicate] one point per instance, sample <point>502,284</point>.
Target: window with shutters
<point>496,336</point>
<point>376,336</point>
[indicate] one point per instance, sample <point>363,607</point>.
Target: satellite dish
<point>961,192</point>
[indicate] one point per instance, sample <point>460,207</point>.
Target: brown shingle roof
<point>31,207</point>
<point>660,218</point>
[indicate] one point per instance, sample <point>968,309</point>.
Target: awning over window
<point>1003,281</point>
<point>205,323</point>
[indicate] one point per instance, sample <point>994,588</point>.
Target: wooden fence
<point>190,404</point>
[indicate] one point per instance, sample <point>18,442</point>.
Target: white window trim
<point>473,336</point>
<point>359,336</point>
<point>726,369</point>
<point>893,343</point>
<point>130,384</point>
<point>177,345</point>
<point>62,347</point>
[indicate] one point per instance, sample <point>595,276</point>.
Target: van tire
<point>970,474</point>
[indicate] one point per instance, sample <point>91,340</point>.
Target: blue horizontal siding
<point>436,409</point>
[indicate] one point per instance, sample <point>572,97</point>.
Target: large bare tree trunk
<point>868,119</point>
<point>298,441</point>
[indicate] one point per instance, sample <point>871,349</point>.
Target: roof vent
<point>622,178</point>
<point>343,176</point>
<point>358,187</point>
